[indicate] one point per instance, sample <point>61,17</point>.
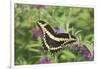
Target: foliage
<point>74,20</point>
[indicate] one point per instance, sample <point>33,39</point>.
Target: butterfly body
<point>53,41</point>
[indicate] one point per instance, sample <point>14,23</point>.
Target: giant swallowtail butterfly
<point>53,41</point>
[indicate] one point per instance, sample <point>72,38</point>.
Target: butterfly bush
<point>78,47</point>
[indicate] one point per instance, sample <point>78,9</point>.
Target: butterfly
<point>53,41</point>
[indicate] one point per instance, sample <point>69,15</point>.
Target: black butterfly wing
<point>53,43</point>
<point>67,36</point>
<point>50,44</point>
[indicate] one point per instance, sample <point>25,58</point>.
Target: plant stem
<point>55,59</point>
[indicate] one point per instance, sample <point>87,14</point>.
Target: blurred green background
<point>28,47</point>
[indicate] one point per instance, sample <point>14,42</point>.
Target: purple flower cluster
<point>82,49</point>
<point>58,30</point>
<point>86,53</point>
<point>44,60</point>
<point>36,32</point>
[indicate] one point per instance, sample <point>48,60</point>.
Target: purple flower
<point>36,32</point>
<point>82,49</point>
<point>85,52</point>
<point>44,60</point>
<point>58,30</point>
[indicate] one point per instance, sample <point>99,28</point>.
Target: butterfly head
<point>41,23</point>
<point>72,39</point>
